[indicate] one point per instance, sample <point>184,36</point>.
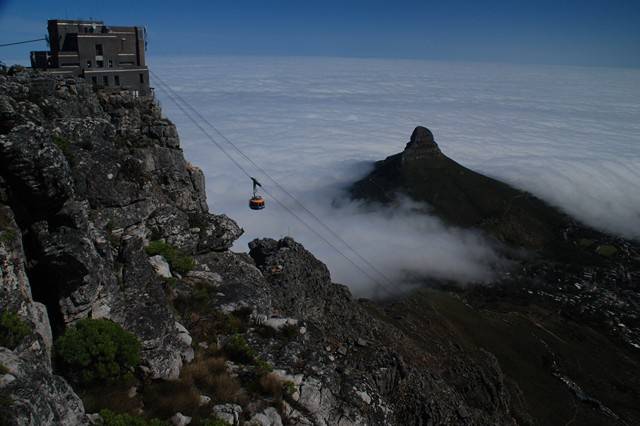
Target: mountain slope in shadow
<point>465,198</point>
<point>563,323</point>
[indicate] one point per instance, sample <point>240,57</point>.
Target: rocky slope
<point>87,181</point>
<point>563,321</point>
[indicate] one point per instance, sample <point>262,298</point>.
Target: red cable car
<point>256,202</point>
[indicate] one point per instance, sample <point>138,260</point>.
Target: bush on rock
<point>178,261</point>
<point>12,330</point>
<point>94,350</point>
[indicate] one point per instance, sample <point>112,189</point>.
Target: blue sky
<point>576,32</point>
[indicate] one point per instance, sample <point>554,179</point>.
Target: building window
<point>105,80</point>
<point>116,80</point>
<point>110,63</point>
<point>100,64</point>
<point>88,64</point>
<point>99,50</point>
<point>94,80</point>
<point>141,78</point>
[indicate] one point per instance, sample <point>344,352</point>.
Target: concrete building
<point>108,57</point>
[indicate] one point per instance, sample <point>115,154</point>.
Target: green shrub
<point>6,409</point>
<point>239,350</point>
<point>289,388</point>
<point>178,261</point>
<point>606,250</point>
<point>115,419</point>
<point>171,281</point>
<point>94,350</point>
<point>262,367</point>
<point>7,235</point>
<point>63,144</point>
<point>585,242</point>
<point>12,330</point>
<point>289,331</point>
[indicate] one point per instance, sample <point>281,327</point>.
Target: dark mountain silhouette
<point>465,198</point>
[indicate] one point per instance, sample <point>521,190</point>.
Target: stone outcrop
<point>91,179</point>
<point>31,394</point>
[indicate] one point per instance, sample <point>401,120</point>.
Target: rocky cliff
<point>87,182</point>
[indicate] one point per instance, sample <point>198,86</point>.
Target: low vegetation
<point>606,250</point>
<point>12,330</point>
<point>205,323</point>
<point>289,331</point>
<point>165,398</point>
<point>97,350</point>
<point>5,409</point>
<point>178,261</point>
<point>204,376</point>
<point>239,350</point>
<point>63,144</point>
<point>272,385</point>
<point>7,233</point>
<point>110,418</point>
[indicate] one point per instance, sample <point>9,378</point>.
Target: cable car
<point>256,202</point>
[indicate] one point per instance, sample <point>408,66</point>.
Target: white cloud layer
<point>569,135</point>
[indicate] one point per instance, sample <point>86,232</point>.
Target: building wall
<point>107,56</point>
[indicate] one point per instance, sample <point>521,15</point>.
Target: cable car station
<point>108,57</point>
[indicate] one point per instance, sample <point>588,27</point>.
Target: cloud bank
<point>569,135</point>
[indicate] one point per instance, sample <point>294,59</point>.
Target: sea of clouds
<point>570,135</point>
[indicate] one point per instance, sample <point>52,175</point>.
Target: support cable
<point>277,184</point>
<point>22,42</point>
<point>166,89</point>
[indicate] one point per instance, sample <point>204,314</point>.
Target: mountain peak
<point>422,135</point>
<point>421,146</point>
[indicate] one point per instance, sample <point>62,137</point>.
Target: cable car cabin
<point>256,203</point>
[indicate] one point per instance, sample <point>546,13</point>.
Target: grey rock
<point>204,400</point>
<point>229,413</point>
<point>94,419</point>
<point>161,266</point>
<point>38,396</point>
<point>180,419</point>
<point>268,417</point>
<point>36,169</point>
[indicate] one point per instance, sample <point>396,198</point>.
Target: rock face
<point>36,395</point>
<point>88,180</point>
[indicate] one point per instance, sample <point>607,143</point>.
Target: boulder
<point>160,265</point>
<point>229,413</point>
<point>180,419</point>
<point>268,417</point>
